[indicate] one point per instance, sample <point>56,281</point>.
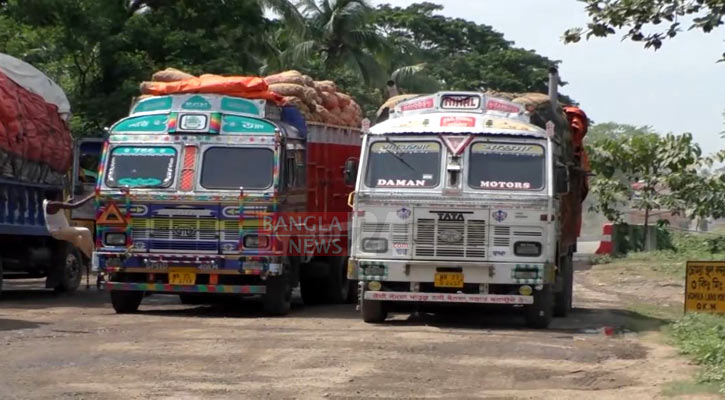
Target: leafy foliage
<point>666,171</point>
<point>642,18</point>
<point>100,51</point>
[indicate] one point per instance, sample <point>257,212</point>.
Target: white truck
<point>462,198</point>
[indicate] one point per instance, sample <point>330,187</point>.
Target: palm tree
<point>340,32</point>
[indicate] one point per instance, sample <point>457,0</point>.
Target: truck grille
<point>176,233</point>
<point>455,239</point>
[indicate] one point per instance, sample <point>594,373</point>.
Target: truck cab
<point>459,200</point>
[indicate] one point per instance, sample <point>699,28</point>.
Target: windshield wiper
<point>396,154</point>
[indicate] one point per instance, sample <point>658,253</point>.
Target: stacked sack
<point>319,101</point>
<point>35,142</point>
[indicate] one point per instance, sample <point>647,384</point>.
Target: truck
<point>35,157</point>
<point>470,198</point>
<point>193,188</point>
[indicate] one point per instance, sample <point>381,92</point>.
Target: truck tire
<point>337,286</point>
<point>563,298</point>
<point>312,288</point>
<point>278,298</point>
<point>126,302</point>
<point>373,311</point>
<point>70,261</point>
<point>539,314</point>
<point>1,278</point>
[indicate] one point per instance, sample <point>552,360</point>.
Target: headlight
<point>527,249</point>
<point>115,239</point>
<point>375,245</point>
<point>256,242</point>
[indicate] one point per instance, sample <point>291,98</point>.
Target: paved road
<point>75,347</point>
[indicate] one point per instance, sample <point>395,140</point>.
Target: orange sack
<point>207,84</point>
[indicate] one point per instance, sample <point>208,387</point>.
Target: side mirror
<point>561,179</point>
<point>350,172</point>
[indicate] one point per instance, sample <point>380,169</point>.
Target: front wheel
<point>539,314</point>
<point>126,302</point>
<point>373,311</point>
<point>1,277</point>
<point>278,298</point>
<point>71,268</point>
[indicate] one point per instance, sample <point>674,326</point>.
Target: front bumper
<point>166,288</point>
<point>155,263</point>
<point>504,273</point>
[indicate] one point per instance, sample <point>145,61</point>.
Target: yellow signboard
<point>705,289</point>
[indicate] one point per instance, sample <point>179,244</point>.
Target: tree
<point>99,52</point>
<point>614,130</point>
<point>639,17</point>
<point>666,171</point>
<point>460,54</point>
<point>340,33</point>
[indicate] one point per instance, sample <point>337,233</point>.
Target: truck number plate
<point>449,279</point>
<point>181,277</point>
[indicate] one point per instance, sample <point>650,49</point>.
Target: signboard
<point>460,102</point>
<point>705,287</point>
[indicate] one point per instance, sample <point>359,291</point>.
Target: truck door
<point>86,157</point>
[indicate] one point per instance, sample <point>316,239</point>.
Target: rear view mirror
<point>561,179</point>
<point>350,172</point>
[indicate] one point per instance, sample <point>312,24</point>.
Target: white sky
<point>679,88</point>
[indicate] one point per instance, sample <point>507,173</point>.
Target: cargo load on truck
<point>318,101</point>
<point>35,140</point>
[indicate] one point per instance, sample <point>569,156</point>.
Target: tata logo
<point>185,231</point>
<point>451,216</point>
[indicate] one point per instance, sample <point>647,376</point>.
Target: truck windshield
<point>235,167</point>
<point>141,167</point>
<point>506,166</point>
<point>403,164</point>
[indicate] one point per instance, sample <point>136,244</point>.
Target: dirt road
<point>76,347</point>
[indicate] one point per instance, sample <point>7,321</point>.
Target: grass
<point>684,388</point>
<point>702,336</point>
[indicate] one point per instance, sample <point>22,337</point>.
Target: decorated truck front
<point>184,182</point>
<point>458,200</point>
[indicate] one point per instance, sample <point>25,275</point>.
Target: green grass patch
<point>688,388</point>
<point>702,336</point>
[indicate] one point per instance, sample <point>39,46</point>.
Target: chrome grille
<point>455,239</point>
<point>176,233</point>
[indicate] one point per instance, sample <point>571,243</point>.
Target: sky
<point>679,88</point>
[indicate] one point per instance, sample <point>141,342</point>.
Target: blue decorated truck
<point>184,182</point>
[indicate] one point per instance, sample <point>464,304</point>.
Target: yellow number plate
<point>449,279</point>
<point>181,277</point>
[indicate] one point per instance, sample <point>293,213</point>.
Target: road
<point>74,346</point>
